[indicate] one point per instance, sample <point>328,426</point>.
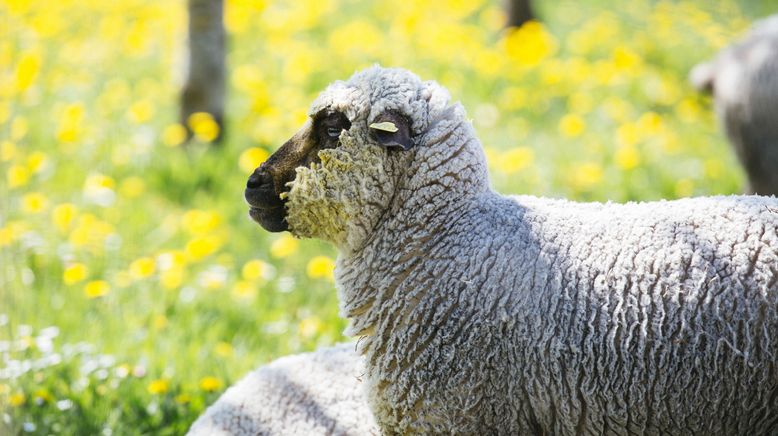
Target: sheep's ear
<point>703,77</point>
<point>391,129</point>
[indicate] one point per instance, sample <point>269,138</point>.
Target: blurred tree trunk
<point>205,83</point>
<point>519,12</point>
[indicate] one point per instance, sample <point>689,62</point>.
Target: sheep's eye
<point>329,127</point>
<point>333,132</point>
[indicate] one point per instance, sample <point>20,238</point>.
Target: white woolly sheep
<point>307,394</point>
<point>743,79</point>
<point>485,314</point>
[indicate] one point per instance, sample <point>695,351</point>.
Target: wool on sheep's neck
<point>449,161</point>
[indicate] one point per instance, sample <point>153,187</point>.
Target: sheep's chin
<point>340,198</point>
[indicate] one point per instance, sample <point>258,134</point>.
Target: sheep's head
<point>337,176</point>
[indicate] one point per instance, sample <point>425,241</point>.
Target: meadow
<point>134,288</point>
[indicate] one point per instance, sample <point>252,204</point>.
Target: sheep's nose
<point>261,191</point>
<point>258,179</point>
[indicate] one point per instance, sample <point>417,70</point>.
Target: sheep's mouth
<point>267,209</point>
<point>271,219</point>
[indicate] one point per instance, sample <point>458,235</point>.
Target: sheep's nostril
<point>258,179</point>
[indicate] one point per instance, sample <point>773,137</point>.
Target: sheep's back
<point>653,317</point>
<point>538,316</point>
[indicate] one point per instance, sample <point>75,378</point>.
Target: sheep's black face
<point>269,183</point>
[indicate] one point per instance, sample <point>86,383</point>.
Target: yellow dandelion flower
<point>172,278</point>
<point>650,123</point>
<point>182,398</point>
<point>210,384</point>
<point>74,273</point>
<point>688,111</point>
<point>253,270</point>
<point>42,395</point>
<point>97,180</point>
<point>201,247</point>
<point>515,160</point>
<point>17,175</point>
<point>529,44</point>
<point>90,232</point>
<point>223,349</point>
<point>70,124</point>
<point>11,232</point>
<point>625,59</point>
<point>200,222</point>
<point>321,267</point>
<point>27,70</point>
<point>572,125</point>
<point>7,236</point>
<point>203,126</point>
<point>173,135</point>
<point>34,202</point>
<point>627,157</point>
<point>17,399</point>
<point>132,187</point>
<point>159,386</point>
<point>140,111</point>
<point>309,327</point>
<point>243,289</point>
<point>284,246</point>
<point>36,161</point>
<point>171,259</point>
<point>142,267</point>
<point>96,289</point>
<point>252,158</point>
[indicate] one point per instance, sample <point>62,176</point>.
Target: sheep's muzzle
<point>268,183</point>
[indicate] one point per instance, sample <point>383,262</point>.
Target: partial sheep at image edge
<point>313,393</point>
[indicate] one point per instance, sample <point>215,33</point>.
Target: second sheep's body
<point>743,79</point>
<point>486,314</point>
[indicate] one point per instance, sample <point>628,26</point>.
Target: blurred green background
<point>133,287</point>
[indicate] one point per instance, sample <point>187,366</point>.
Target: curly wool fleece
<point>334,200</point>
<point>487,314</point>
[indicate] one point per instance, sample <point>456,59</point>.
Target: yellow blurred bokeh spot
<point>159,386</point>
<point>203,126</point>
<point>142,267</point>
<point>96,288</point>
<point>284,246</point>
<point>173,135</point>
<point>74,273</point>
<point>210,384</point>
<point>251,158</point>
<point>320,267</point>
<point>253,269</point>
